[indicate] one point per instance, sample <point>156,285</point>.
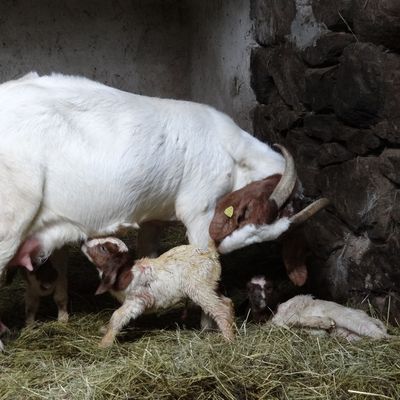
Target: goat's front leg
<point>131,309</point>
<point>306,321</point>
<point>32,300</point>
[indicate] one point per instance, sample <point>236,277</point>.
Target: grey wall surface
<point>221,40</point>
<point>139,45</point>
<point>193,49</point>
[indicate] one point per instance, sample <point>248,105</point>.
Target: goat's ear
<point>107,282</point>
<point>123,280</point>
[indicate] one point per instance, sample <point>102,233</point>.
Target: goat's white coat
<point>305,311</point>
<point>80,159</point>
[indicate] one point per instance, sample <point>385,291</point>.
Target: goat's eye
<point>103,249</point>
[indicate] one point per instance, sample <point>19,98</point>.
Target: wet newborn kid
<point>151,284</point>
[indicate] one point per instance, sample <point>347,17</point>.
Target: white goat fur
<point>81,159</point>
<point>184,272</point>
<point>304,311</point>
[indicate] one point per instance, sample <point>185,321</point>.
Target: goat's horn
<point>285,186</point>
<point>309,211</point>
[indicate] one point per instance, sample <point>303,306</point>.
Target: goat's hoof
<point>103,329</point>
<point>105,343</point>
<point>63,318</point>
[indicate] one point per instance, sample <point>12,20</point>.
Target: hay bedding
<point>155,359</point>
<point>55,361</point>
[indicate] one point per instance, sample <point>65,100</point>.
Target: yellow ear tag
<point>229,212</point>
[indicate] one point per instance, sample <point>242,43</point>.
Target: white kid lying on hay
<point>303,311</point>
<point>151,284</point>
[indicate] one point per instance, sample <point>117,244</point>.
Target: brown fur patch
<point>115,265</point>
<point>250,206</point>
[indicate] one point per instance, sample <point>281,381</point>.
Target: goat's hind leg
<point>219,308</point>
<point>20,199</point>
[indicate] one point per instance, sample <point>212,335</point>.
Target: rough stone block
<point>327,49</point>
<point>378,22</point>
<point>321,126</point>
<point>388,130</point>
<point>358,97</point>
<point>319,88</point>
<point>261,80</point>
<point>337,15</point>
<point>273,119</point>
<point>305,150</point>
<point>362,197</point>
<point>362,141</point>
<point>333,153</point>
<point>390,165</point>
<point>288,71</point>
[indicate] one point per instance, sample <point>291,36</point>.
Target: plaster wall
<point>221,41</point>
<point>188,49</point>
<point>139,45</point>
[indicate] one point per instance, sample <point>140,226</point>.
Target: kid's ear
<point>107,282</point>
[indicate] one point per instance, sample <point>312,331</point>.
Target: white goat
<point>80,159</point>
<point>304,311</point>
<point>152,284</point>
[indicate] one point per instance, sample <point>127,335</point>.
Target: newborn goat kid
<point>304,311</point>
<point>49,278</point>
<point>151,284</point>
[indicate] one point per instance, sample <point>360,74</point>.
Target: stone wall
<point>326,75</point>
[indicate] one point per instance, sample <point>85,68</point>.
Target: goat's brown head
<point>257,203</point>
<point>113,261</point>
<point>260,202</point>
